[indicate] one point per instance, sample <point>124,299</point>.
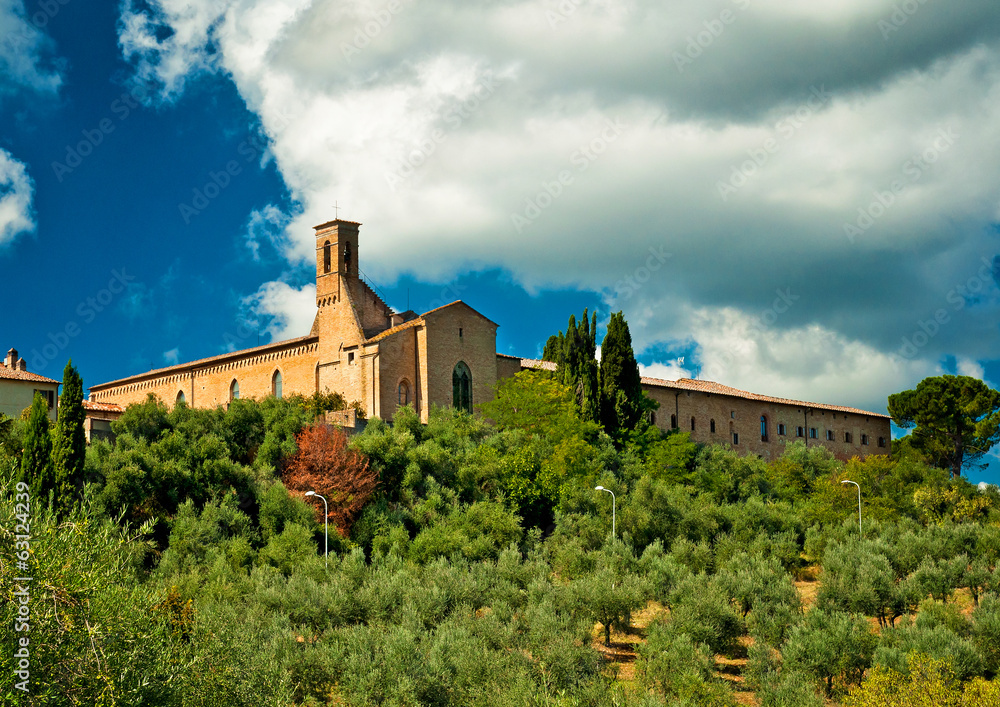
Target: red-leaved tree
<point>326,465</point>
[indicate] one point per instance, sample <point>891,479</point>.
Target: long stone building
<point>358,346</point>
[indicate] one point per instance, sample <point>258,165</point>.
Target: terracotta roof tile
<point>394,330</point>
<point>704,386</point>
<point>102,407</point>
<point>13,374</point>
<point>158,372</point>
<point>538,364</point>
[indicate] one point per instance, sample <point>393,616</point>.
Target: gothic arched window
<point>234,390</point>
<point>180,397</point>
<point>276,384</point>
<point>461,387</point>
<point>404,393</point>
<point>326,257</point>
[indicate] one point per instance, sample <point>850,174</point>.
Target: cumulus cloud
<point>16,193</point>
<point>843,153</point>
<point>288,311</point>
<point>25,50</point>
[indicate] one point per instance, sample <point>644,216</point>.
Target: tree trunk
<point>607,634</point>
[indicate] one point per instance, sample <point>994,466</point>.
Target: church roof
<point>91,406</point>
<point>14,374</point>
<point>202,362</point>
<point>703,386</point>
<point>420,320</point>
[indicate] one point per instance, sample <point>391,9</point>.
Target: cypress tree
<point>574,353</point>
<point>36,459</point>
<point>70,446</point>
<point>621,403</point>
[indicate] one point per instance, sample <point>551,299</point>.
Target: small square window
<point>848,437</point>
<point>350,357</point>
<point>829,436</point>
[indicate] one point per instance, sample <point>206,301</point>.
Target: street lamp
<point>601,488</point>
<point>326,527</point>
<point>845,481</point>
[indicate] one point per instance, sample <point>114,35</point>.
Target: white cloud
<point>16,192</point>
<point>437,123</point>
<point>172,357</point>
<point>970,368</point>
<point>670,370</point>
<point>24,48</point>
<point>291,311</point>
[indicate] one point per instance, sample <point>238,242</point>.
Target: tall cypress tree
<point>70,445</point>
<point>36,459</point>
<point>574,353</point>
<point>621,386</point>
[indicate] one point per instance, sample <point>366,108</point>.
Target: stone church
<point>358,346</point>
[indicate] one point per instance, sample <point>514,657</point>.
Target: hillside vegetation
<point>473,564</point>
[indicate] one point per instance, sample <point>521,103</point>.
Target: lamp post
<point>845,481</point>
<point>326,528</point>
<point>601,488</point>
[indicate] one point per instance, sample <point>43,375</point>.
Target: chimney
<point>11,360</point>
<point>22,365</point>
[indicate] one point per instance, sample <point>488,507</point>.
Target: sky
<point>798,199</point>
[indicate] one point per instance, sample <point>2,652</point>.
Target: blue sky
<point>799,200</point>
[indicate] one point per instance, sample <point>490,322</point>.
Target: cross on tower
<point>336,210</point>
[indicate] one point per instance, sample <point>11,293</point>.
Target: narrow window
<point>732,415</point>
<point>180,397</point>
<point>350,357</point>
<point>347,257</point>
<point>692,424</point>
<point>763,428</point>
<point>460,332</point>
<point>800,431</point>
<point>404,393</point>
<point>812,433</point>
<point>864,440</point>
<point>848,438</point>
<point>652,418</point>
<point>829,436</point>
<point>711,426</point>
<point>461,387</point>
<point>736,437</point>
<point>781,429</point>
<point>317,377</point>
<point>881,441</point>
<point>234,390</point>
<point>276,384</point>
<point>326,257</point>
<point>673,422</point>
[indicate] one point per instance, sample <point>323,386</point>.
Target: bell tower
<point>336,259</point>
